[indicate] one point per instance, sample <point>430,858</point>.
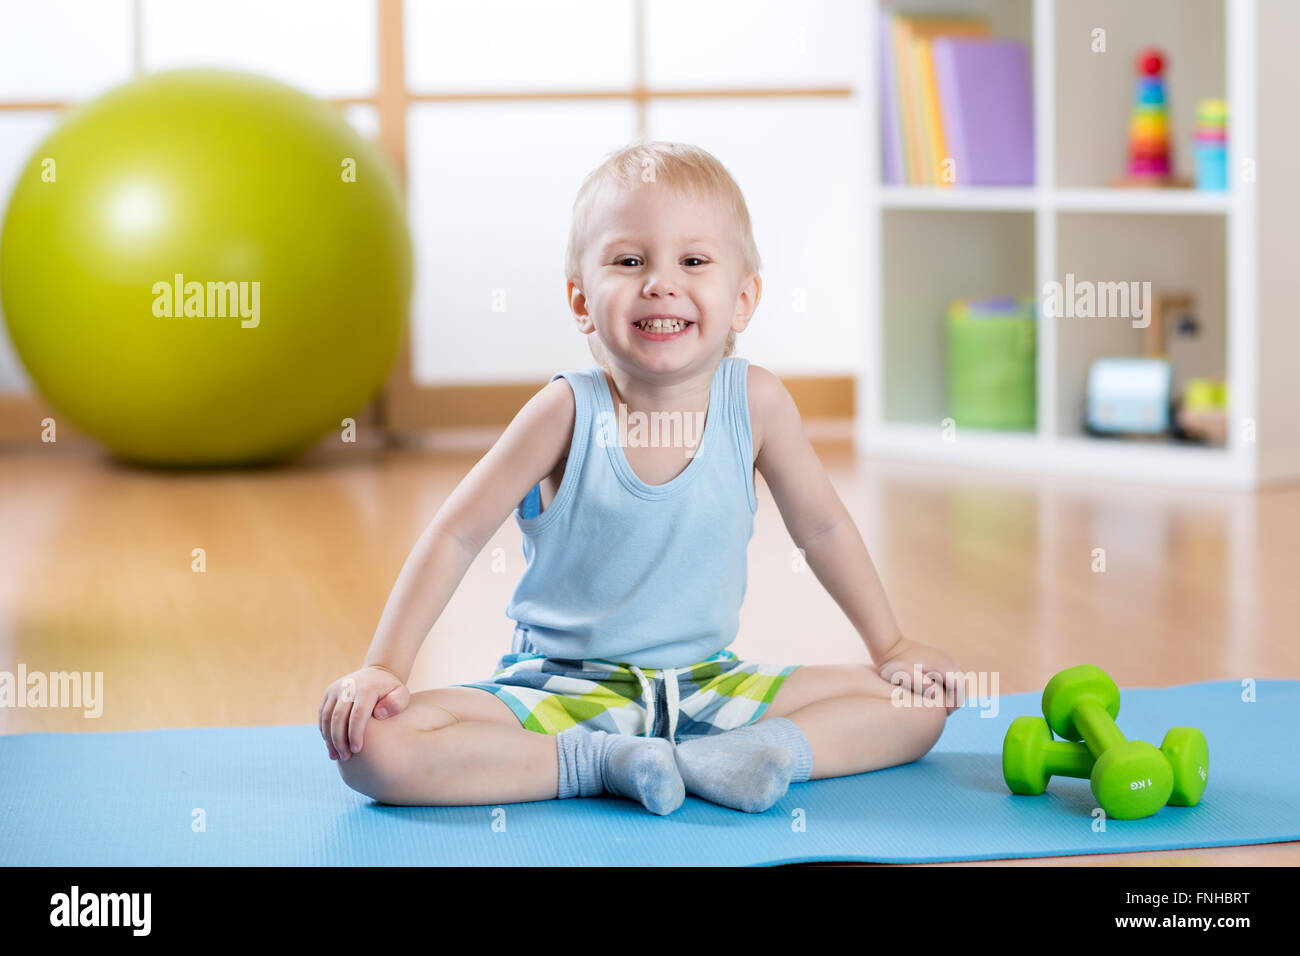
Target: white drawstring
<point>649,697</point>
<point>671,697</point>
<point>670,683</point>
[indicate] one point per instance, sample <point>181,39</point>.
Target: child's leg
<point>751,765</point>
<point>853,721</point>
<point>824,721</point>
<point>460,746</point>
<point>455,746</point>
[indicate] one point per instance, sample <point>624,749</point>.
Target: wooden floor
<point>96,575</point>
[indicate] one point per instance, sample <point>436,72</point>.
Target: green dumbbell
<point>1030,757</point>
<point>1188,754</point>
<point>1131,779</point>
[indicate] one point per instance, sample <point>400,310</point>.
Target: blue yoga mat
<point>271,796</point>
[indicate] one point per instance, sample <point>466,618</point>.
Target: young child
<point>619,679</point>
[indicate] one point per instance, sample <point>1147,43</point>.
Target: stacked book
<point>956,104</point>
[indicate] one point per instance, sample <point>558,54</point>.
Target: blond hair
<point>681,167</point>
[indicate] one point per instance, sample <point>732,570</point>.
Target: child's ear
<point>578,305</point>
<point>747,302</point>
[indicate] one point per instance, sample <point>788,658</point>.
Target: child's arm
<point>819,523</point>
<point>816,518</point>
<point>531,447</point>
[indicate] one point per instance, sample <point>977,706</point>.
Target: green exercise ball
<point>283,230</point>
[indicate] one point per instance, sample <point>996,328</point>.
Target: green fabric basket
<point>992,369</point>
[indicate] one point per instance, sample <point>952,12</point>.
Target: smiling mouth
<point>663,326</point>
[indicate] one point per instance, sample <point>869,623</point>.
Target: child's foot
<point>749,768</point>
<point>643,769</point>
<point>738,773</point>
<point>592,762</point>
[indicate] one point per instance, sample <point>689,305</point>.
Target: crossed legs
<point>462,746</point>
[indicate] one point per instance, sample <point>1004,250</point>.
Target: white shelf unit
<point>927,245</point>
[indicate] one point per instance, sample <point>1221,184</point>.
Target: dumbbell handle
<point>1066,759</point>
<point>1097,726</point>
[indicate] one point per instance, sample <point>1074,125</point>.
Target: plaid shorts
<point>550,695</point>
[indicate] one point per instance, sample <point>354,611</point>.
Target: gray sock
<point>593,762</point>
<point>749,768</point>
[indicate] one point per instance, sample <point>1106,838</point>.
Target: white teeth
<point>662,325</point>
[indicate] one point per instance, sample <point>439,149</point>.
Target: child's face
<point>655,252</point>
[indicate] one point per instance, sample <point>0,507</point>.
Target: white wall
<point>491,183</point>
<point>1279,242</point>
<point>73,50</point>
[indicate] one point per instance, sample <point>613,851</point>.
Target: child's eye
<point>635,260</point>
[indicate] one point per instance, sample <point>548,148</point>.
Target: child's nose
<point>660,285</point>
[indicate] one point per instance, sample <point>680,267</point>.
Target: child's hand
<point>350,701</point>
<point>939,673</point>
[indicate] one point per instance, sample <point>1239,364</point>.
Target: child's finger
<point>339,727</point>
<point>393,702</point>
<point>897,674</point>
<point>323,717</point>
<point>956,689</point>
<point>361,709</point>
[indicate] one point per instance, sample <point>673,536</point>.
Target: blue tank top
<point>623,571</point>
